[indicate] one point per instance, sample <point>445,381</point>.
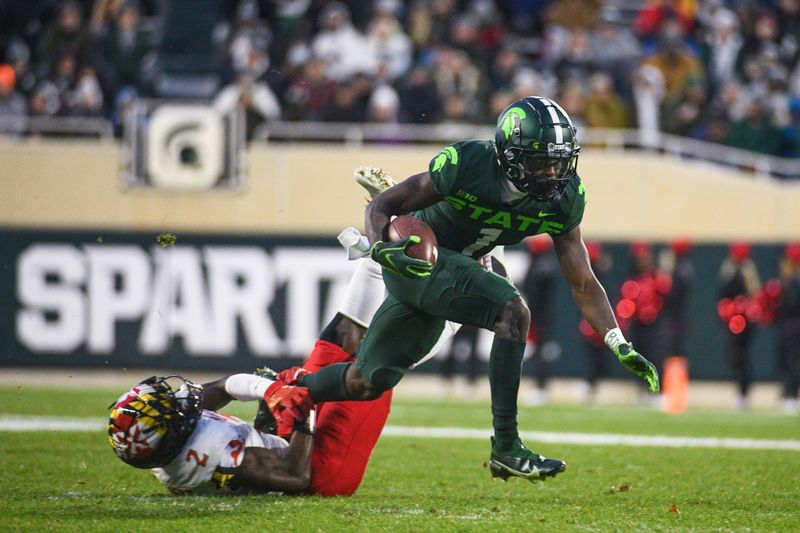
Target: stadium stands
<point>719,71</point>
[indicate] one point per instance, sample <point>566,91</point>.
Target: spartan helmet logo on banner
<point>185,147</point>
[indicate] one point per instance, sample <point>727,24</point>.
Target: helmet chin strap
<point>514,192</point>
<point>551,192</point>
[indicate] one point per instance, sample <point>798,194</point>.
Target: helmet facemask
<point>150,423</point>
<point>541,174</point>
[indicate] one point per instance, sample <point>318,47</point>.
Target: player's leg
<point>490,263</point>
<point>364,295</point>
<point>342,336</point>
<point>336,344</point>
<point>344,437</point>
<point>329,349</point>
<point>461,290</point>
<point>347,432</point>
<point>737,355</point>
<point>509,456</point>
<point>398,337</point>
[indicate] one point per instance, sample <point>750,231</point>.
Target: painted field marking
<point>44,423</point>
<point>600,439</point>
<point>50,423</point>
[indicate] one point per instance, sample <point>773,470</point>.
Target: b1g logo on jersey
<point>78,296</point>
<point>468,196</point>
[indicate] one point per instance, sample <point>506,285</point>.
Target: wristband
<point>614,338</point>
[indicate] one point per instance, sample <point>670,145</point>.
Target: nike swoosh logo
<point>545,213</point>
<point>388,257</point>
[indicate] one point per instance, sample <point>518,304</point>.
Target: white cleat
<point>375,180</point>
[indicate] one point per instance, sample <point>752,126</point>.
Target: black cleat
<point>519,461</point>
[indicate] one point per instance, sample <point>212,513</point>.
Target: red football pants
<point>345,433</point>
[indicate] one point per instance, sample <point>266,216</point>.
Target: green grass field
<point>71,481</point>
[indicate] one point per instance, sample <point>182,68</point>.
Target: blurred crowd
<point>653,309</point>
<point>653,306</point>
<point>746,303</point>
<point>724,71</point>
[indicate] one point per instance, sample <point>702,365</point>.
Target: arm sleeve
<point>247,387</point>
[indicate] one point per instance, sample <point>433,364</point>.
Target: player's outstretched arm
<point>263,471</point>
<point>589,295</point>
<point>593,304</point>
<point>215,396</point>
<point>283,399</point>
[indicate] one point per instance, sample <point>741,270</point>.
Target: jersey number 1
<point>488,236</point>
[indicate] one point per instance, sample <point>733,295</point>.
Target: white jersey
<point>212,454</point>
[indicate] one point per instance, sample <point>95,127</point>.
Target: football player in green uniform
<point>477,195</point>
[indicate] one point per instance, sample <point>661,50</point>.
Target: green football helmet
<point>537,146</point>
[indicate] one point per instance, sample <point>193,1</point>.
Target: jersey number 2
<point>192,454</point>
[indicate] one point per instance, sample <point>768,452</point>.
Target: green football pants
<point>411,319</point>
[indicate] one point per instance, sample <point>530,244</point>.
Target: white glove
<point>357,245</point>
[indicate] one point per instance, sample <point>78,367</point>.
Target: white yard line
<point>43,423</point>
<point>50,423</point>
<point>600,439</point>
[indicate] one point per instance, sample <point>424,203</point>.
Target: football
<point>407,225</point>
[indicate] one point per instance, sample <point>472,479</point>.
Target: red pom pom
<point>737,324</point>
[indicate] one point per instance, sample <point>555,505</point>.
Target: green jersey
<point>481,209</point>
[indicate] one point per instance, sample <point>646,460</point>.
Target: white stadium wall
<point>256,271</point>
<point>308,189</point>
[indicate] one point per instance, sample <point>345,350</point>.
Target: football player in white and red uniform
<point>193,449</point>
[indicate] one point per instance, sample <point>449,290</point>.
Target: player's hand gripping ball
<point>411,250</point>
<point>405,226</point>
